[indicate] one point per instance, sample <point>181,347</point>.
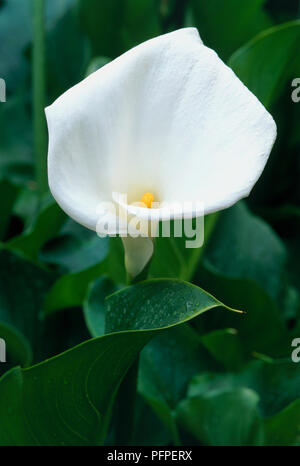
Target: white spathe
<point>167,117</point>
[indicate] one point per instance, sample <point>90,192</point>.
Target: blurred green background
<point>223,379</point>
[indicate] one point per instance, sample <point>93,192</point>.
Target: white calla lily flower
<point>168,121</point>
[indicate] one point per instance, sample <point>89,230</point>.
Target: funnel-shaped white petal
<point>167,117</point>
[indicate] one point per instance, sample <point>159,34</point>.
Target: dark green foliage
<point>71,325</point>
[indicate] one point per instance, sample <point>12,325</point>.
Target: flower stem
<point>139,278</point>
<point>39,88</point>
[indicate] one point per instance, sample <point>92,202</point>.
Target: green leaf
<point>74,391</point>
<point>260,313</point>
<point>26,206</point>
<point>169,361</point>
<point>225,25</point>
<point>16,154</point>
<point>163,412</point>
<point>284,428</point>
<point>73,254</point>
<point>223,419</point>
<point>172,259</point>
<point>271,56</point>
<point>70,290</point>
<point>94,305</point>
<point>226,347</point>
<point>18,351</point>
<point>277,384</point>
<point>267,65</point>
<point>15,34</point>
<point>244,246</point>
<point>167,364</point>
<point>47,223</point>
<point>169,301</point>
<point>148,428</point>
<point>23,287</point>
<point>275,381</point>
<point>245,264</point>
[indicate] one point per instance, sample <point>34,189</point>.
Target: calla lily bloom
<point>167,121</point>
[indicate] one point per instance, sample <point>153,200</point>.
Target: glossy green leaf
<point>149,430</point>
<point>169,361</point>
<point>272,56</point>
<point>275,381</point>
<point>73,254</point>
<point>23,287</point>
<point>170,300</point>
<point>223,419</point>
<point>244,246</point>
<point>26,206</point>
<point>166,365</point>
<point>231,374</point>
<point>47,223</point>
<point>172,259</point>
<point>260,313</point>
<point>226,347</point>
<point>93,370</point>
<point>284,427</point>
<point>70,290</point>
<point>94,306</point>
<point>277,385</point>
<point>268,65</point>
<point>245,264</point>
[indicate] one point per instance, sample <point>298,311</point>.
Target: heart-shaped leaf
<point>68,399</point>
<point>272,55</point>
<point>227,418</point>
